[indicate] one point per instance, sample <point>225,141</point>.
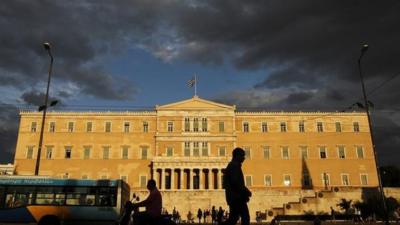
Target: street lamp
<point>47,47</point>
<point>366,105</point>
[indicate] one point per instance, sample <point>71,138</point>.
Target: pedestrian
<point>199,215</point>
<point>213,215</point>
<point>333,218</point>
<point>220,215</point>
<point>236,193</point>
<point>190,217</point>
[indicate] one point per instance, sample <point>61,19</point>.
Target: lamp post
<point>47,47</point>
<point>366,105</point>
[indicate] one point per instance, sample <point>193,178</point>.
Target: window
<point>187,149</point>
<point>364,179</point>
<point>283,127</point>
<point>264,127</point>
<point>170,151</point>
<point>125,152</point>
<point>303,152</point>
<point>338,127</point>
<point>301,126</point>
<point>356,127</point>
<point>52,127</point>
<point>287,181</point>
<point>360,152</point>
<point>221,151</point>
<point>204,124</point>
<point>33,126</point>
<point>126,127</point>
<point>325,179</point>
<point>249,181</point>
<point>144,153</point>
<point>268,180</point>
<point>29,152</point>
<point>89,126</point>
<point>320,127</point>
<point>49,152</point>
<point>143,181</point>
<point>204,149</point>
<point>196,150</point>
<point>70,126</point>
<point>246,127</point>
<point>108,127</point>
<point>145,127</point>
<point>267,153</point>
<point>106,152</point>
<point>124,178</point>
<point>187,124</point>
<point>285,152</point>
<point>247,152</point>
<point>221,126</point>
<point>68,152</point>
<point>86,152</point>
<point>341,152</point>
<point>322,152</point>
<point>345,179</point>
<point>196,124</point>
<point>170,126</point>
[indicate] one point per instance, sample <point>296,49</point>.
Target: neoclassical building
<point>186,145</point>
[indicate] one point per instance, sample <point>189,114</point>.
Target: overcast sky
<point>271,55</point>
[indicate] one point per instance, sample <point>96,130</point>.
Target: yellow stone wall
<point>157,139</point>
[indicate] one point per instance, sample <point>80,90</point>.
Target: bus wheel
<point>49,220</point>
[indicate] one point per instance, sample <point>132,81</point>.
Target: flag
<point>191,82</point>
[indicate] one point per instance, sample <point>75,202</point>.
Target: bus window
<point>44,198</point>
<point>21,200</point>
<point>9,201</point>
<point>107,196</point>
<point>73,199</point>
<point>59,199</point>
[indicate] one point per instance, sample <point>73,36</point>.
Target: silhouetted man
<point>236,193</point>
<point>153,205</point>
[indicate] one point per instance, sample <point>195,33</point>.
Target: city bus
<point>51,201</point>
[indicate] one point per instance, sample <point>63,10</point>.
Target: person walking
<point>199,215</point>
<point>236,193</point>
<point>220,215</point>
<point>213,215</point>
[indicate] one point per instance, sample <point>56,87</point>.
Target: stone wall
<point>270,201</point>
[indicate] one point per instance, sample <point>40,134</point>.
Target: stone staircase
<point>311,201</point>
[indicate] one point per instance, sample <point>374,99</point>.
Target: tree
<point>390,176</point>
<point>345,205</point>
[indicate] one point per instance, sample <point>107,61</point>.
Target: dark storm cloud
<point>8,132</point>
<point>295,98</point>
<point>309,49</point>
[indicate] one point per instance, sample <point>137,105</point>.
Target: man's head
<point>151,184</point>
<point>238,155</point>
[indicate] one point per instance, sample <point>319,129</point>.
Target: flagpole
<point>195,85</point>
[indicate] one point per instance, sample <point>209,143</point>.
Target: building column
<point>180,179</point>
<point>201,179</point>
<point>157,177</point>
<point>191,173</point>
<point>162,178</point>
<point>219,184</point>
<point>172,178</point>
<point>209,179</point>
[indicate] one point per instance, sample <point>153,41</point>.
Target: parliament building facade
<point>185,146</point>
